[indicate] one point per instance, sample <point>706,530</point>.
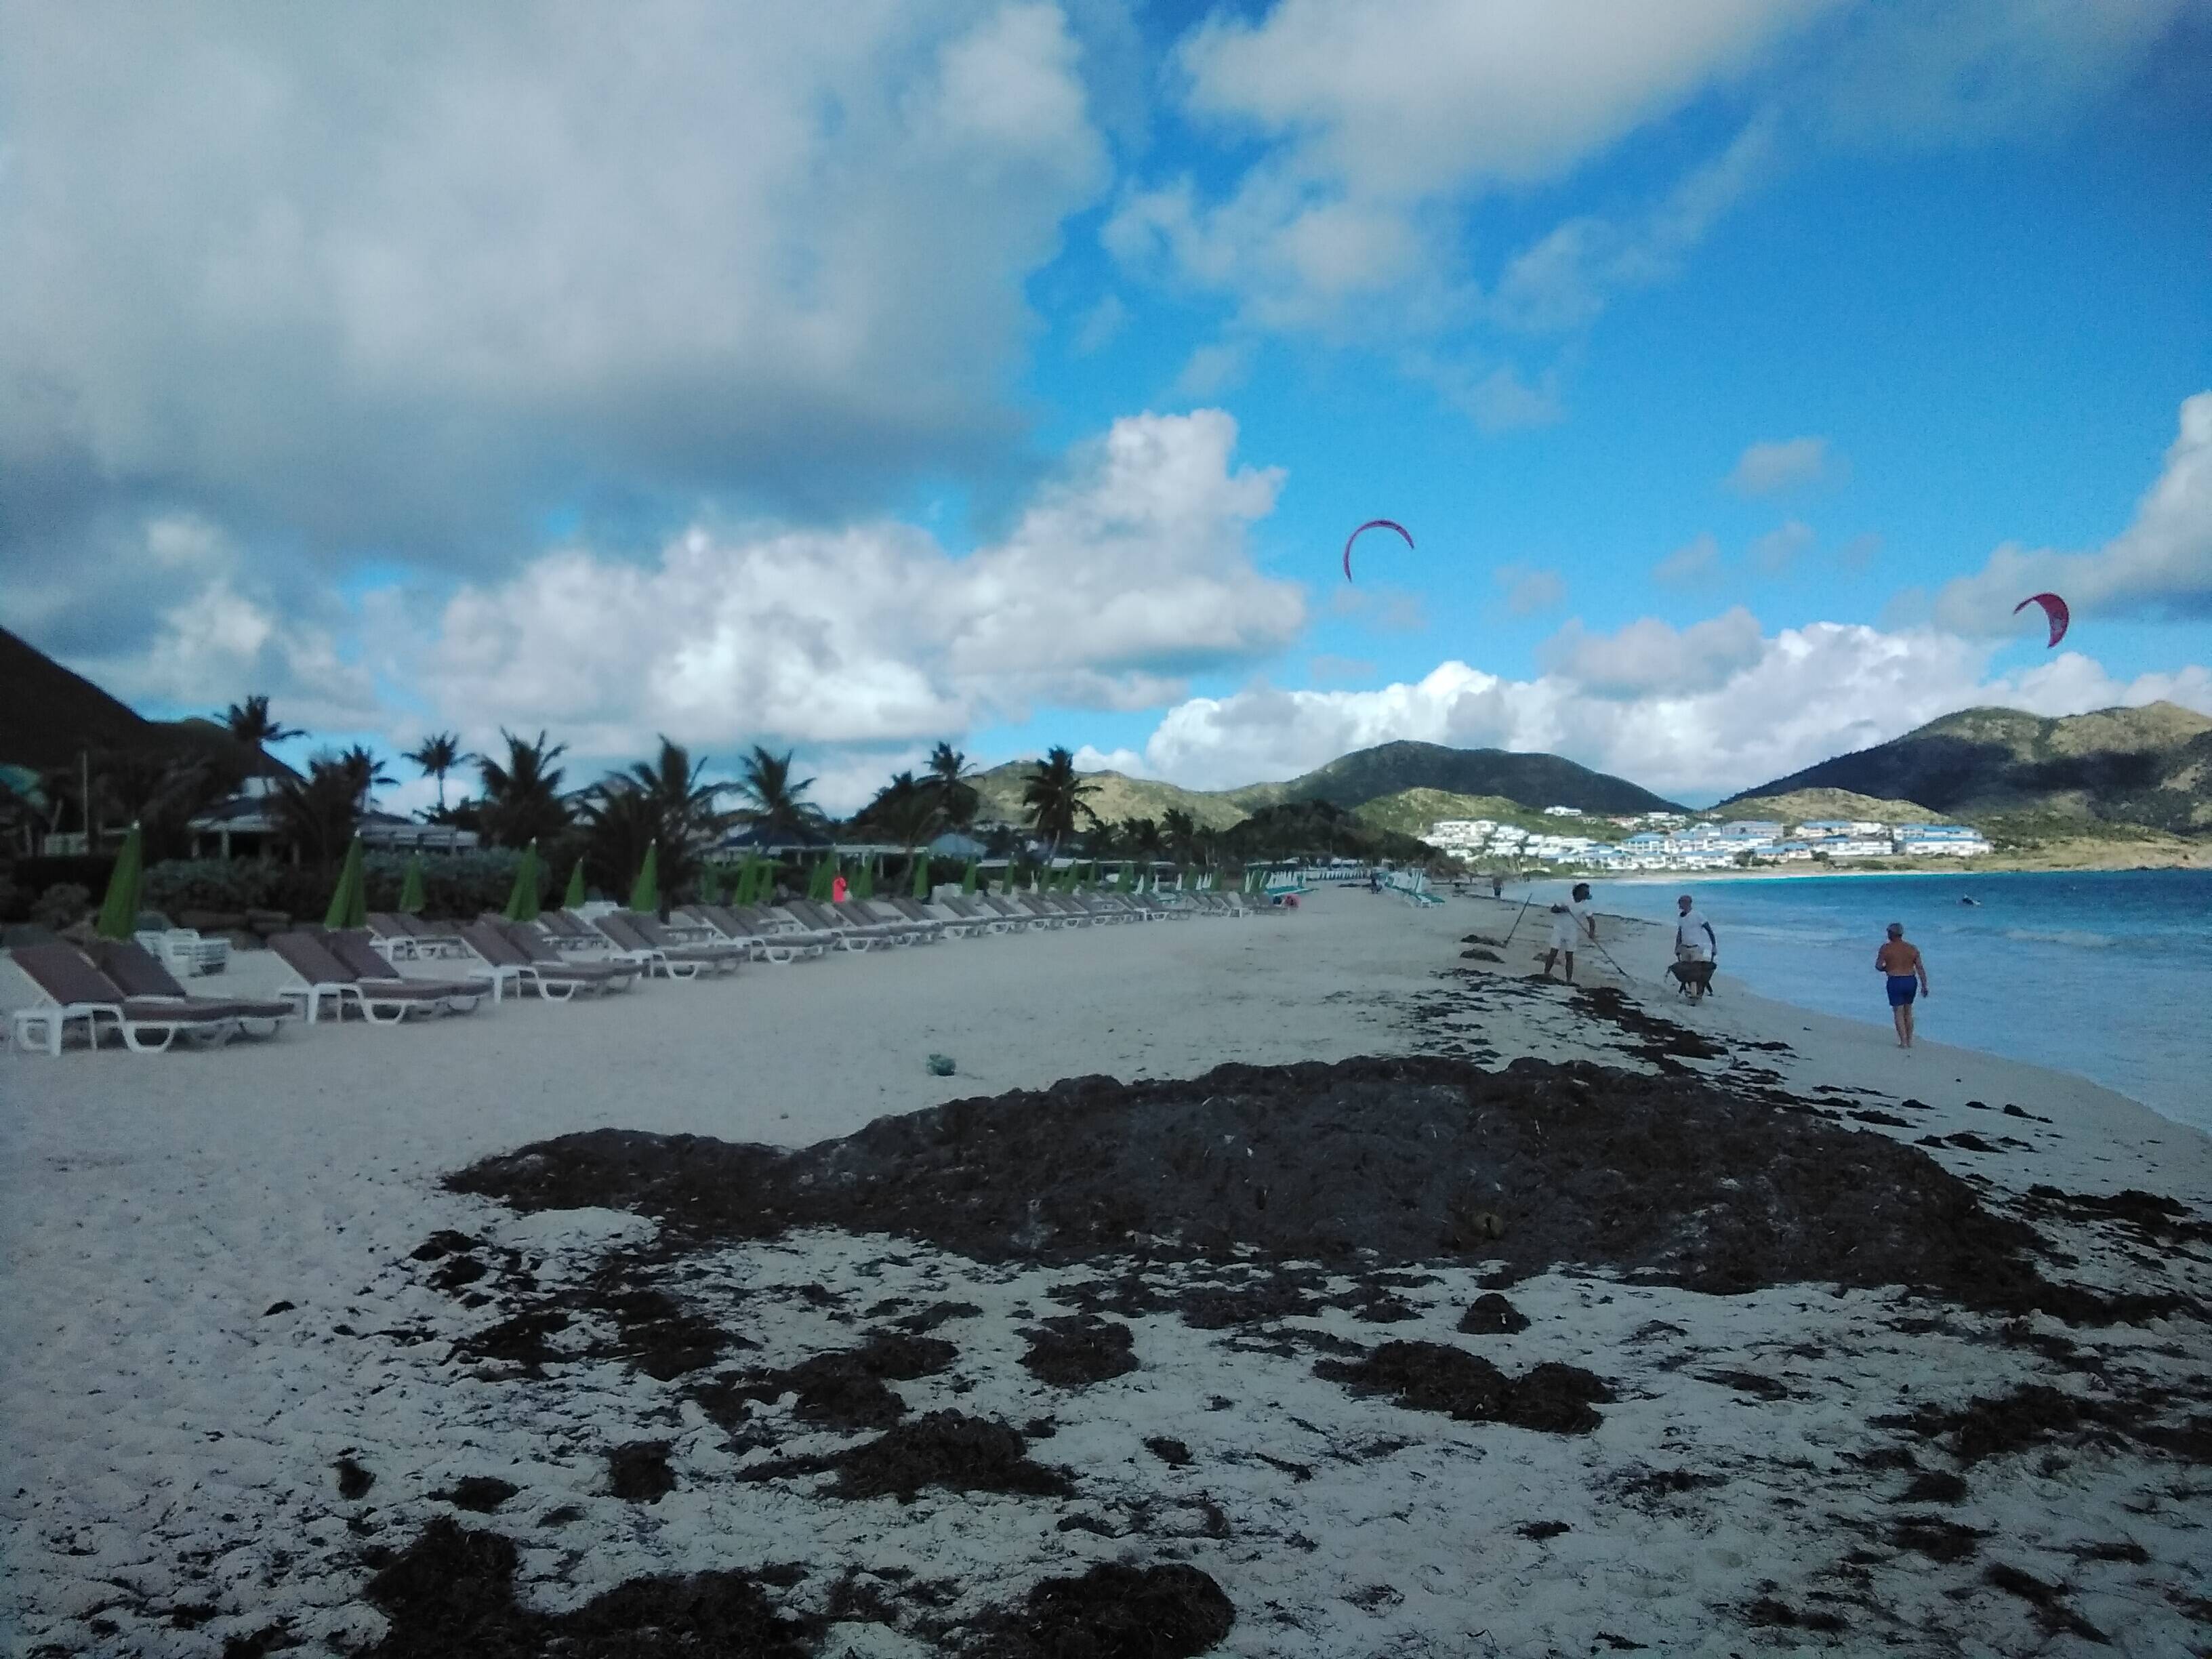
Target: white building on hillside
<point>1941,840</point>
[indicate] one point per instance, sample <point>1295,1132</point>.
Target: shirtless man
<point>1906,971</point>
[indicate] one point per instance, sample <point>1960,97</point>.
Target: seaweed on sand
<point>1679,1178</point>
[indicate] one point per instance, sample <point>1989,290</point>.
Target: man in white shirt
<point>1694,941</point>
<point>1571,922</point>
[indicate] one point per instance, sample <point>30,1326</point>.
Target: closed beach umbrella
<point>864,881</point>
<point>118,912</point>
<point>411,888</point>
<point>522,902</point>
<point>922,877</point>
<point>968,877</point>
<point>574,898</point>
<point>349,903</point>
<point>645,891</point>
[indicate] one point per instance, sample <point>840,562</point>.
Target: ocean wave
<point>2062,936</point>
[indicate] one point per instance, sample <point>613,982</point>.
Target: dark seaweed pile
<point>1364,1163</point>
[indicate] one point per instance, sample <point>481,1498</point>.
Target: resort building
<point>1954,840</point>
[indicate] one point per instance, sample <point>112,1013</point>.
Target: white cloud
<point>399,281</point>
<point>1778,465</point>
<point>1212,369</point>
<point>1564,279</point>
<point>2159,566</point>
<point>1694,714</point>
<point>1650,658</point>
<point>1529,591</point>
<point>1693,564</point>
<point>1780,547</point>
<point>1113,584</point>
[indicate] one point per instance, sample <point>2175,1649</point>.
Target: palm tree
<point>361,765</point>
<point>1180,831</point>
<point>437,755</point>
<point>621,821</point>
<point>522,800</point>
<point>948,773</point>
<point>317,814</point>
<point>252,722</point>
<point>665,793</point>
<point>772,801</point>
<point>1057,797</point>
<point>160,793</point>
<point>907,810</point>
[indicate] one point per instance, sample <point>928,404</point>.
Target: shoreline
<point>224,1291</point>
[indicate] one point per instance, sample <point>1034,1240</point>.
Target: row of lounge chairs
<point>564,954</point>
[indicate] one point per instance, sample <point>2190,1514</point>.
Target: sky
<point>850,378</point>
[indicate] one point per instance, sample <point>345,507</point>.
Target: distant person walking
<point>1694,941</point>
<point>1906,972</point>
<point>1571,923</point>
<point>1497,887</point>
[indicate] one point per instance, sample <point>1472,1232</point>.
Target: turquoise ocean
<point>2107,975</point>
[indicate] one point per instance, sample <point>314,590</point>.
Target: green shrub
<point>62,905</point>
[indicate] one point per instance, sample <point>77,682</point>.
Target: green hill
<point>2116,772</point>
<point>49,716</point>
<point>1390,768</point>
<point>1798,805</point>
<point>1410,812</point>
<point>1118,798</point>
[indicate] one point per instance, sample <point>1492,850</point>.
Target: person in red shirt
<point>1906,971</point>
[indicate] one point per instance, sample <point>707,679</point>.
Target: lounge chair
<point>616,974</point>
<point>773,924</point>
<point>626,942</point>
<point>779,947</point>
<point>568,932</point>
<point>185,949</point>
<point>892,913</point>
<point>949,926</point>
<point>1024,918</point>
<point>697,941</point>
<point>141,976</point>
<point>404,938</point>
<point>354,950</point>
<point>70,989</point>
<point>556,981</point>
<point>317,977</point>
<point>846,933</point>
<point>979,917</point>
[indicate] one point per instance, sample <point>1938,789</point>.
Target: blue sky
<point>1012,374</point>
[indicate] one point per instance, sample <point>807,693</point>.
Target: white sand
<point>167,1444</point>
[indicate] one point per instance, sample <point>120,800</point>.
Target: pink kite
<point>2054,609</point>
<point>1372,524</point>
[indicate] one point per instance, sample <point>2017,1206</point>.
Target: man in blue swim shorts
<point>1906,972</point>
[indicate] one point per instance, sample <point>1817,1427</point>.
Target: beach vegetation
<point>1057,798</point>
<point>658,803</point>
<point>365,772</point>
<point>252,722</point>
<point>949,777</point>
<point>522,800</point>
<point>62,905</point>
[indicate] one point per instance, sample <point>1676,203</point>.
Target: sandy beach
<point>266,1368</point>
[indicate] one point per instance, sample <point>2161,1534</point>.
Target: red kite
<point>2054,609</point>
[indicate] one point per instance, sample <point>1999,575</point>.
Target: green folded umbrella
<point>349,903</point>
<point>118,912</point>
<point>522,901</point>
<point>864,881</point>
<point>968,877</point>
<point>411,888</point>
<point>921,876</point>
<point>574,898</point>
<point>645,891</point>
